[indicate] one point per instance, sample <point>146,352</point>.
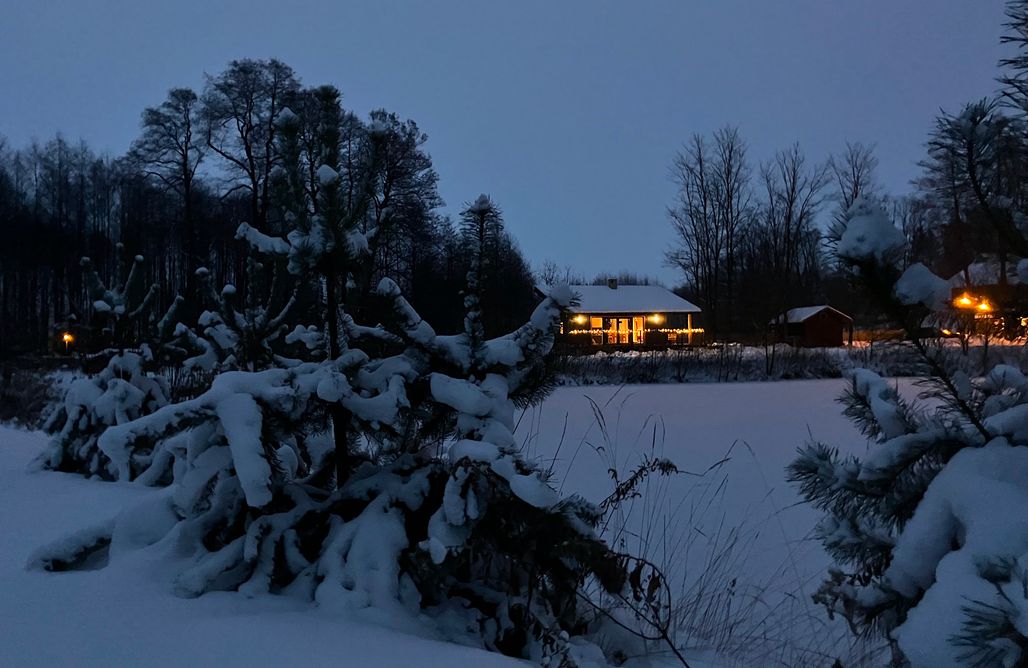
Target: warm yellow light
<point>656,318</point>
<point>67,338</point>
<point>984,306</point>
<point>580,319</point>
<point>964,301</point>
<point>946,332</point>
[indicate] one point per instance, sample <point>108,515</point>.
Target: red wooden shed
<point>813,327</point>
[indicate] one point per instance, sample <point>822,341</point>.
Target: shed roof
<point>803,313</point>
<point>629,299</point>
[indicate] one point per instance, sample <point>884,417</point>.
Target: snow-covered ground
<point>727,530</point>
<point>126,616</point>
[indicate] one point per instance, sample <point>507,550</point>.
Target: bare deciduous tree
<point>170,149</point>
<point>713,207</point>
<point>733,204</point>
<point>550,273</point>
<point>853,175</point>
<point>242,109</point>
<point>793,192</point>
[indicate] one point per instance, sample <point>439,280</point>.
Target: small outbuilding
<point>629,316</point>
<point>813,327</point>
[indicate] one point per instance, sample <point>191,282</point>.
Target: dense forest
<point>206,162</point>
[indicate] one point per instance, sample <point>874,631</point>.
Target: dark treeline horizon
<point>204,163</point>
<point>746,237</point>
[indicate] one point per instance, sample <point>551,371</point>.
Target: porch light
<point>580,319</point>
<point>964,301</point>
<point>68,340</point>
<point>656,318</point>
<point>984,306</point>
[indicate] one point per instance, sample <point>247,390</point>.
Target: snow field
<point>727,530</point>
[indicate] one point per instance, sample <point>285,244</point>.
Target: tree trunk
<point>340,416</point>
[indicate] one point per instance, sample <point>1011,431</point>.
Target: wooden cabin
<point>625,316</point>
<point>813,327</point>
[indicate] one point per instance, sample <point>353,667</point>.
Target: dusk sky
<point>567,113</point>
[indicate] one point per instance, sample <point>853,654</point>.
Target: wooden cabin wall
<point>824,330</point>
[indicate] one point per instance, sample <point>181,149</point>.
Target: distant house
<point>629,315</point>
<point>813,327</point>
<point>992,295</point>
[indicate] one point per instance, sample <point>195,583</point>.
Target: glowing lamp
<point>964,301</point>
<point>656,318</point>
<point>984,306</point>
<point>580,319</point>
<point>68,339</point>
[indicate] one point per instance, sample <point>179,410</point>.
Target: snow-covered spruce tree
<point>247,331</point>
<point>117,308</point>
<point>123,391</point>
<point>127,387</point>
<point>227,336</point>
<point>122,313</point>
<point>929,530</point>
<point>474,538</point>
<point>413,500</point>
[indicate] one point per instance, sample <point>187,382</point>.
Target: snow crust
<point>962,507</point>
<point>735,441</point>
<point>231,630</point>
<point>128,615</point>
<point>241,421</point>
<point>802,313</point>
<point>918,285</point>
<point>869,234</point>
<point>881,396</point>
<point>261,242</point>
<point>629,299</point>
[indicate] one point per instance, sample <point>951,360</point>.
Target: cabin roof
<point>803,313</point>
<point>629,299</point>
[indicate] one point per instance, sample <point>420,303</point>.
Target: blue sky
<point>567,113</point>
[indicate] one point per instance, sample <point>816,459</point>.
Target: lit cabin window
<point>595,323</point>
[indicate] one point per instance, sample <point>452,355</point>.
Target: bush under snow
<point>930,529</point>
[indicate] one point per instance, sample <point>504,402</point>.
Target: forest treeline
<point>204,163</point>
<point>754,239</point>
<point>750,239</point>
